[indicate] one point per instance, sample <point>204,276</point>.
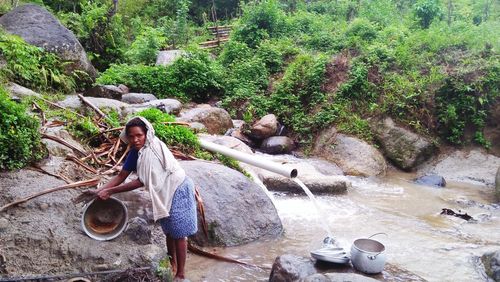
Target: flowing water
<point>420,240</point>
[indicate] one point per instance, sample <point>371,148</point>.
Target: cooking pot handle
<point>378,234</point>
<point>372,257</point>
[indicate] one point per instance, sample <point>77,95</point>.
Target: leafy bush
<point>193,76</point>
<point>234,51</point>
<point>362,29</point>
<point>463,102</point>
<point>260,21</point>
<point>31,66</point>
<point>426,11</point>
<point>173,135</point>
<point>19,135</point>
<point>145,47</point>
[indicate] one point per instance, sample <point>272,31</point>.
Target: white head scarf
<point>158,170</point>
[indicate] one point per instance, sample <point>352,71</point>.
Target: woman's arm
<point>117,180</point>
<point>106,193</point>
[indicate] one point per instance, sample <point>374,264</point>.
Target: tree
<point>426,11</point>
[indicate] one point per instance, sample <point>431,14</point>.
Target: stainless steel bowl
<point>104,220</point>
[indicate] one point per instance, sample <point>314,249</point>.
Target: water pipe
<point>249,159</point>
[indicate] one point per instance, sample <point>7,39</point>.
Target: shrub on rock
<point>19,135</point>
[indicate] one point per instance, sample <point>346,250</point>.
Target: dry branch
<point>80,163</point>
<point>60,176</point>
<point>61,141</point>
<point>96,109</point>
<point>79,184</point>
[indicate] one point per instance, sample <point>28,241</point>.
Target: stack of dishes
<point>331,254</point>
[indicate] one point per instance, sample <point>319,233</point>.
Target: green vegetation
<point>31,66</point>
<point>432,65</point>
<point>19,135</point>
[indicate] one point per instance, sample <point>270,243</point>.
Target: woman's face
<point>136,137</point>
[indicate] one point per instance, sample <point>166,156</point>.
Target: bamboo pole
<point>79,184</point>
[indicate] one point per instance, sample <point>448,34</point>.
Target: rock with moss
<point>237,210</point>
<point>216,120</point>
<point>17,90</point>
<point>403,147</point>
<point>105,91</point>
<point>352,155</point>
<point>39,27</point>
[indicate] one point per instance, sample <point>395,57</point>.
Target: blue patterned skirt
<point>182,221</point>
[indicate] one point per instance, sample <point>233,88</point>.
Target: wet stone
<point>431,180</point>
<point>139,231</point>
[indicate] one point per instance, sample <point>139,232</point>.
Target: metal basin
<point>104,220</point>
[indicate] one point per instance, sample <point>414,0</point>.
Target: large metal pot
<point>104,220</point>
<point>368,255</point>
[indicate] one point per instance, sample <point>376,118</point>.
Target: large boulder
<point>216,120</point>
<point>403,147</point>
<point>474,167</point>
<point>353,156</point>
<point>277,145</point>
<point>39,27</point>
<point>73,102</point>
<point>105,91</point>
<point>265,127</point>
<point>168,57</point>
<point>237,210</point>
<point>491,262</point>
<point>138,98</point>
<point>44,235</point>
<point>20,91</point>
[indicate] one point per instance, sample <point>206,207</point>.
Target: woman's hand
<point>104,194</point>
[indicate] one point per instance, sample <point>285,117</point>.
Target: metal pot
<point>368,255</point>
<point>104,220</point>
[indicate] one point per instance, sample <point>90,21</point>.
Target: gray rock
<point>57,149</point>
<point>497,184</point>
<point>291,268</point>
<point>168,57</point>
<point>403,147</point>
<point>169,106</point>
<point>73,102</point>
<point>198,127</point>
<point>431,180</point>
<point>265,127</point>
<point>353,156</point>
<point>138,98</point>
<point>216,120</point>
<point>105,91</point>
<point>20,91</point>
<point>474,167</point>
<point>139,231</point>
<point>277,145</point>
<point>124,88</point>
<point>491,262</point>
<point>39,27</point>
<point>231,201</point>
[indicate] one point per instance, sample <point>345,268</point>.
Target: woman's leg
<point>181,253</point>
<point>172,253</point>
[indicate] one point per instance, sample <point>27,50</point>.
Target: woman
<point>172,193</point>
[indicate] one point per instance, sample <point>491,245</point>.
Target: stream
<point>421,241</point>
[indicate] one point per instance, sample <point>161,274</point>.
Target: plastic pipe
<point>249,159</point>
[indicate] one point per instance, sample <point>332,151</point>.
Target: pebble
<point>4,223</point>
<point>44,206</point>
